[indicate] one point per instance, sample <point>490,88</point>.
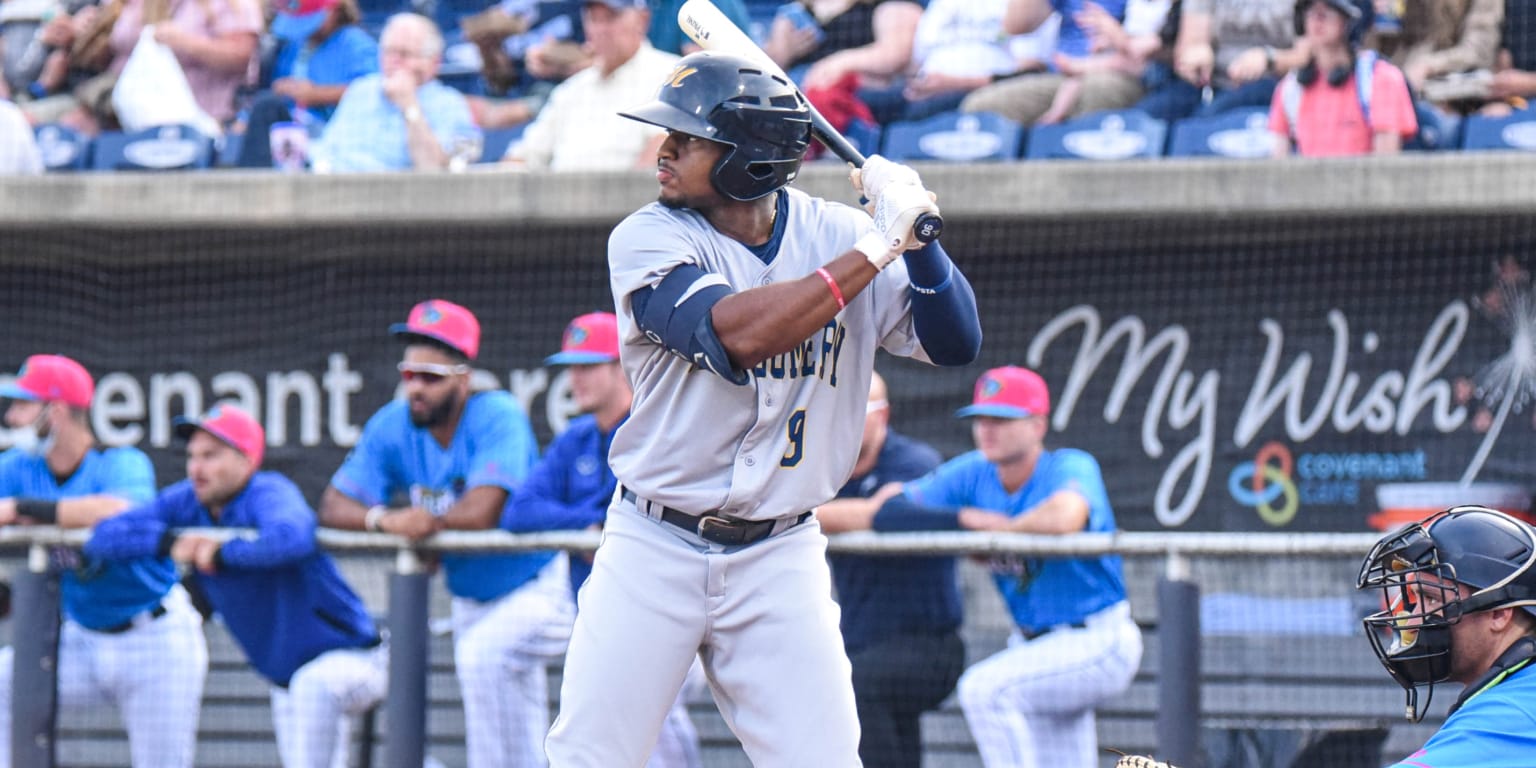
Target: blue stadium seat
<point>166,148</point>
<point>864,135</point>
<point>227,150</point>
<point>1239,133</point>
<point>1517,131</point>
<point>1437,130</point>
<point>1116,135</point>
<point>497,141</point>
<point>956,136</point>
<point>63,148</point>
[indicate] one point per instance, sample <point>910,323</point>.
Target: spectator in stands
<point>869,40</point>
<point>579,129</point>
<point>1226,56</point>
<point>1321,109</point>
<point>1442,37</point>
<point>402,118</point>
<point>526,46</point>
<point>19,155</point>
<point>321,50</point>
<point>571,486</point>
<point>1126,48</point>
<point>900,615</point>
<point>956,49</point>
<point>447,458</point>
<point>1457,597</point>
<point>281,597</point>
<point>1074,644</point>
<point>666,36</point>
<point>1028,97</point>
<point>130,636</point>
<point>1514,78</point>
<point>215,41</point>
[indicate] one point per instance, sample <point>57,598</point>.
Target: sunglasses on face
<point>429,373</point>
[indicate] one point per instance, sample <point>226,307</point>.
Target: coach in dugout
<point>1459,597</point>
<point>1074,643</point>
<point>131,636</point>
<point>446,457</point>
<point>300,625</point>
<point>900,615</point>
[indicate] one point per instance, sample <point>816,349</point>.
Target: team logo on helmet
<point>680,74</point>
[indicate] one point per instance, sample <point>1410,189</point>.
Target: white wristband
<point>374,517</point>
<point>875,248</point>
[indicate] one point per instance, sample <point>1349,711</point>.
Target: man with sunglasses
<point>445,457</point>
<point>1459,605</point>
<point>130,634</point>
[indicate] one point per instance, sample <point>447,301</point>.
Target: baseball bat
<point>704,24</point>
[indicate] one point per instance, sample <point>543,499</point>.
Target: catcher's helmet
<point>1417,570</point>
<point>729,99</point>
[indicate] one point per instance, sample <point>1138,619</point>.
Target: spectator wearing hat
<point>442,458</point>
<point>579,128</point>
<point>281,597</point>
<point>1326,108</point>
<point>572,485</point>
<point>1074,644</point>
<point>321,50</point>
<point>130,635</point>
<point>401,118</point>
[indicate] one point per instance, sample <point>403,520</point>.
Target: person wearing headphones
<point>1344,100</point>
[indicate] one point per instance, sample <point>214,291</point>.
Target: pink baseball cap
<point>1009,392</point>
<point>445,323</point>
<point>591,338</point>
<point>52,379</point>
<point>230,424</point>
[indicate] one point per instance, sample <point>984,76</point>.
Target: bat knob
<point>928,227</point>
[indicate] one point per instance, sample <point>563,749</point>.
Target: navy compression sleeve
<point>943,307</point>
<point>675,314</point>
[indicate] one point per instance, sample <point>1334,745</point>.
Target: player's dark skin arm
<point>759,323</point>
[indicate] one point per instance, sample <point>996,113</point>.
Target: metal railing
<point>1178,597</point>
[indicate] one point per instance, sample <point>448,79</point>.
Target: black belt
<point>137,620</point>
<point>714,528</point>
<point>1031,634</point>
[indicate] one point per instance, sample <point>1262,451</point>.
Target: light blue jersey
<point>1494,729</point>
<point>1041,593</point>
<point>97,594</point>
<point>493,445</point>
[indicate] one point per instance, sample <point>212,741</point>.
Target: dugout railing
<point>1261,695</point>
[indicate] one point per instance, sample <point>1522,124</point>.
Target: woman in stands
<point>824,41</point>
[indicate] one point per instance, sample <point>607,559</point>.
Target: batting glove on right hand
<point>1140,761</point>
<point>878,175</point>
<point>894,212</point>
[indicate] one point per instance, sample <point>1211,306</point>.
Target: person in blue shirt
<point>1458,596</point>
<point>572,485</point>
<point>448,458</point>
<point>282,598</point>
<point>1074,643</point>
<point>321,49</point>
<point>130,634</point>
<point>402,118</point>
<point>901,614</point>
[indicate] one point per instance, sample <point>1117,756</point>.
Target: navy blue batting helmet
<point>729,99</point>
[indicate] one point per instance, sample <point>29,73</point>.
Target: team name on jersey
<point>816,356</point>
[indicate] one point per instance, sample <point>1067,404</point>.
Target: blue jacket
<point>569,489</point>
<point>281,597</point>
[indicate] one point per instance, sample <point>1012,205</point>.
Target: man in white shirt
<point>18,148</point>
<point>579,129</point>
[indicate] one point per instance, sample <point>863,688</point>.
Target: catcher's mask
<point>1420,571</point>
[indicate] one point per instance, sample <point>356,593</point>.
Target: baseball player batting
<point>749,314</point>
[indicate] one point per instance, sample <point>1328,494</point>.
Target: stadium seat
<point>1116,135</point>
<point>1239,133</point>
<point>1437,130</point>
<point>165,148</point>
<point>957,136</point>
<point>864,135</point>
<point>63,148</point>
<point>1517,131</point>
<point>497,141</point>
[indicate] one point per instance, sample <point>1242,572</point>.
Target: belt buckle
<point>718,529</point>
